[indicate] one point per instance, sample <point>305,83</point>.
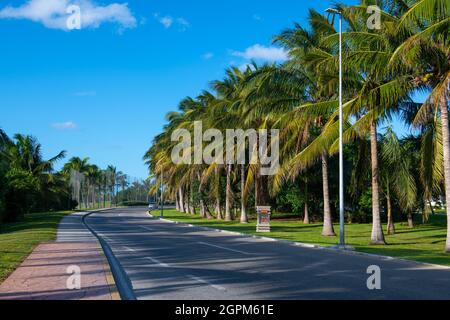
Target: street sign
<point>263,219</point>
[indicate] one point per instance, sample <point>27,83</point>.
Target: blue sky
<point>103,91</point>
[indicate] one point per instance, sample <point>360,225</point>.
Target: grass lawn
<point>425,243</point>
<point>18,240</point>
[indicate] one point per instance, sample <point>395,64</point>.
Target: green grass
<point>18,240</point>
<point>425,243</point>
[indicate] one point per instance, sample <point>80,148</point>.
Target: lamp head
<point>333,11</point>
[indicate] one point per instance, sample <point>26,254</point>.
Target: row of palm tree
<point>383,69</point>
<point>29,183</point>
<point>93,187</point>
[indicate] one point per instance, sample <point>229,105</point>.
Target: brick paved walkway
<point>44,274</point>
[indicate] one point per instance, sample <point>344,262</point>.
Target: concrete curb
<point>305,245</point>
<point>115,295</point>
<point>119,276</point>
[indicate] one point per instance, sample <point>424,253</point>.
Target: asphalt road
<point>165,261</point>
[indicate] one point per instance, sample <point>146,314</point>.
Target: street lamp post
<point>162,194</point>
<point>341,143</point>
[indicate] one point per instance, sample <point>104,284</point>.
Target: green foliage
<point>382,70</point>
<point>18,239</point>
<point>28,181</point>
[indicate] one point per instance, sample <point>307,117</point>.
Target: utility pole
<point>162,194</point>
<point>342,244</point>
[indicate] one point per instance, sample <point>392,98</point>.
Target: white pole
<point>162,195</point>
<point>341,143</point>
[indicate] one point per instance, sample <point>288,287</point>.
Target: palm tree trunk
<point>306,214</point>
<point>390,226</point>
<point>177,201</point>
<point>192,209</point>
<point>328,230</point>
<point>202,200</point>
<point>377,230</point>
<point>244,216</point>
<point>187,209</point>
<point>229,196</point>
<point>202,209</point>
<point>446,145</point>
<point>256,193</point>
<point>410,220</point>
<point>181,193</point>
<point>218,209</point>
<point>262,194</point>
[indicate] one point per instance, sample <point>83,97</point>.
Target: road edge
<point>119,276</point>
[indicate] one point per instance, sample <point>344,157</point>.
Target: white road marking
<point>220,288</point>
<point>159,263</point>
<point>105,237</point>
<point>223,248</point>
<point>146,228</point>
<point>155,261</point>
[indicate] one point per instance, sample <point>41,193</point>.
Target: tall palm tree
<point>28,174</point>
<point>426,51</point>
<point>304,47</point>
<point>396,176</point>
<point>111,174</point>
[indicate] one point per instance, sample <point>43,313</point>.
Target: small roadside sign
<point>263,219</point>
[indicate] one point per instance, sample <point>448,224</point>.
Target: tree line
<point>387,177</point>
<point>30,183</point>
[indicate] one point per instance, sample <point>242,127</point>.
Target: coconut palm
<point>426,51</point>
<point>304,47</point>
<point>28,175</point>
<point>396,176</point>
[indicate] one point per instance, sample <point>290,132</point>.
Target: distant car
<point>152,206</point>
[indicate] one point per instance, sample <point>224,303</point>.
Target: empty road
<point>165,261</point>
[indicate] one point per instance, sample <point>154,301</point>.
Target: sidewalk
<point>44,274</point>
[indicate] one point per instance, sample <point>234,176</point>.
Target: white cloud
<point>53,13</point>
<point>257,17</point>
<point>208,56</point>
<point>262,53</point>
<point>245,66</point>
<point>69,125</point>
<point>168,21</point>
<point>183,23</point>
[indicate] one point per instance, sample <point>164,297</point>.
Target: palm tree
<point>410,51</point>
<point>28,175</point>
<point>77,167</point>
<point>304,47</point>
<point>396,175</point>
<point>383,68</point>
<point>111,178</point>
<point>426,51</point>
